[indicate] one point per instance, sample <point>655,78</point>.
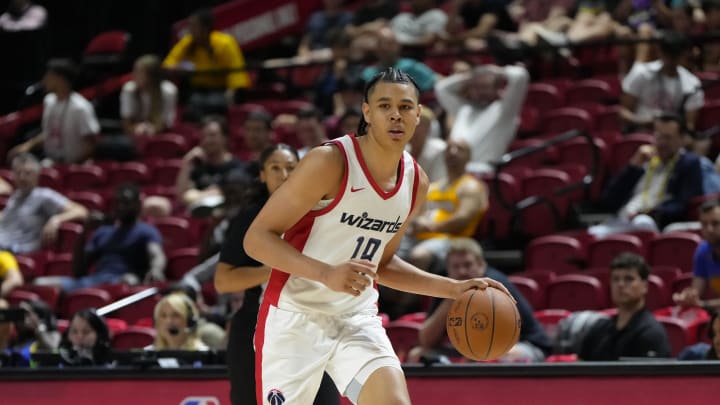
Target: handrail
<point>129,300</point>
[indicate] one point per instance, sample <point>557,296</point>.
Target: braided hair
<point>389,75</point>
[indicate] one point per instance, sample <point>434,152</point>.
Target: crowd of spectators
<point>234,154</point>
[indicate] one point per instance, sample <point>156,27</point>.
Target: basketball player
<point>333,228</point>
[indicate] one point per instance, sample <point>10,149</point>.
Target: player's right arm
<point>318,176</point>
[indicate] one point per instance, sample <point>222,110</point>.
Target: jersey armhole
<point>343,185</point>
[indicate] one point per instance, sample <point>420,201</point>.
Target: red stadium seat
<point>16,296</point>
<point>682,281</point>
<point>536,219</point>
<point>708,116</point>
<point>601,274</point>
<point>138,310</point>
<point>678,334</point>
<point>165,172</point>
<point>84,298</point>
<point>88,199</point>
<point>107,43</point>
<point>29,267</point>
<point>180,261</point>
<point>543,97</point>
<point>84,177</point>
<point>69,235</point>
<point>166,146</point>
<point>602,251</point>
<point>116,291</point>
<point>60,264</point>
<point>417,317</point>
<point>49,294</point>
<point>175,232</point>
<point>50,177</point>
<point>589,90</point>
<point>608,119</point>
<point>404,335</point>
<point>530,290</point>
<point>564,119</point>
<point>622,150</point>
<point>540,276</point>
<point>575,292</point>
<point>116,325</point>
<point>658,295</point>
<point>549,319</point>
<point>561,254</point>
<point>668,274</point>
<point>496,223</point>
<point>673,249</point>
<point>129,172</point>
<point>134,337</point>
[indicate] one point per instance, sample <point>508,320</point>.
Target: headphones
<point>191,319</point>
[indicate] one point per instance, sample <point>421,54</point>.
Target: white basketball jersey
<point>357,223</point>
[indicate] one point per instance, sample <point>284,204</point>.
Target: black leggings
<point>241,366</point>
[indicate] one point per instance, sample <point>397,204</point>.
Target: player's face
<point>277,169</point>
<point>392,112</point>
<point>464,266</point>
<point>626,287</point>
<point>81,334</point>
<point>710,226</point>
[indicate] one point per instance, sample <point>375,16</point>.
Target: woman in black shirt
<point>237,271</point>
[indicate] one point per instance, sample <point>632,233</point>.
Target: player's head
<point>709,214</point>
<point>391,108</point>
<point>628,280</point>
<point>276,164</point>
<point>465,259</point>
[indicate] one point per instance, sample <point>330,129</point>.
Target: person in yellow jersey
<point>10,275</point>
<point>203,51</point>
<point>454,208</point>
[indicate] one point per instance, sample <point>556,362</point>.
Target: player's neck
<point>381,161</point>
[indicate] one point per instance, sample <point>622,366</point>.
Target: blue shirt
<point>420,72</point>
<point>706,267</point>
<point>123,250</point>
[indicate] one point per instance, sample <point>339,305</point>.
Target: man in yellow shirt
<point>10,275</point>
<point>203,51</point>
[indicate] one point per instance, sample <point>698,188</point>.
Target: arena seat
<point>589,90</point>
<point>180,261</point>
<point>673,249</point>
<point>175,232</point>
<point>561,254</point>
<point>530,290</point>
<point>164,172</point>
<point>543,97</point>
<point>575,292</point>
<point>678,334</point>
<point>84,177</point>
<point>134,337</point>
<point>88,199</point>
<point>166,146</point>
<point>129,172</point>
<point>668,274</point>
<point>549,320</point>
<point>565,119</point>
<point>69,234</point>
<point>622,150</point>
<point>84,298</point>
<point>59,264</point>
<point>16,296</point>
<point>602,251</point>
<point>49,294</point>
<point>404,335</point>
<point>658,295</point>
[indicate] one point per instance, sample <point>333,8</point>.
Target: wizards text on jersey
<point>372,224</point>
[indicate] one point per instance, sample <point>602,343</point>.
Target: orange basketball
<point>483,324</point>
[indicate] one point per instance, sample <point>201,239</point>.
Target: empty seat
<point>60,264</point>
<point>658,295</point>
<point>668,274</point>
<point>678,334</point>
<point>673,249</point>
<point>88,199</point>
<point>180,261</point>
<point>29,267</point>
<point>84,298</point>
<point>589,90</point>
<point>543,97</point>
<point>550,318</point>
<point>166,146</point>
<point>561,254</point>
<point>601,274</point>
<point>575,292</point>
<point>16,296</point>
<point>69,235</point>
<point>404,335</point>
<point>540,276</point>
<point>175,232</point>
<point>50,177</point>
<point>565,119</point>
<point>49,294</point>
<point>116,325</point>
<point>165,172</point>
<point>129,172</point>
<point>134,337</point>
<point>530,290</point>
<point>141,309</point>
<point>84,177</point>
<point>602,251</point>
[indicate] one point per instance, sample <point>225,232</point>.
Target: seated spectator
<point>69,125</point>
<point>33,214</point>
<point>209,331</point>
<point>37,334</point>
<point>473,20</point>
<point>633,332</point>
<point>127,250</point>
<point>320,23</point>
<point>706,266</point>
<point>310,130</point>
<point>5,187</point>
<point>702,350</point>
<point>257,134</point>
<point>10,275</point>
<point>388,55</point>
<point>464,261</point>
<point>484,106</point>
<point>348,122</point>
<point>148,103</point>
<point>656,186</point>
<point>204,166</point>
<point>348,95</point>
<point>662,86</point>
<point>7,330</point>
<point>428,148</point>
<point>203,52</point>
<point>23,15</point>
<point>176,319</point>
<point>453,208</point>
<point>422,26</point>
<point>367,20</point>
<point>87,341</point>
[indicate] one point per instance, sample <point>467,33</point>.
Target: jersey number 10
<point>371,247</point>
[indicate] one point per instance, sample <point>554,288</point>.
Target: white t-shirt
<point>65,123</point>
<point>33,18</point>
<point>130,108</point>
<point>410,29</point>
<point>487,130</point>
<point>657,93</point>
<point>432,159</point>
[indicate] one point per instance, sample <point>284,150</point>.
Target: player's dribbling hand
<point>483,283</point>
<point>351,277</point>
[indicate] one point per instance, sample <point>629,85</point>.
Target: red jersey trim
<point>343,186</point>
<point>416,182</point>
<point>382,193</point>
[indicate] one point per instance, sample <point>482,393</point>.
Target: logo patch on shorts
<point>275,397</point>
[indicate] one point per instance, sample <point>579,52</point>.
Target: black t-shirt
<point>204,175</point>
<point>531,330</point>
<point>471,14</point>
<point>643,336</point>
<point>368,12</point>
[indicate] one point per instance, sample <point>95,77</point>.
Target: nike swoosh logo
<point>353,189</point>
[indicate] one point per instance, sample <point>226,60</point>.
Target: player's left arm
<point>398,274</point>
